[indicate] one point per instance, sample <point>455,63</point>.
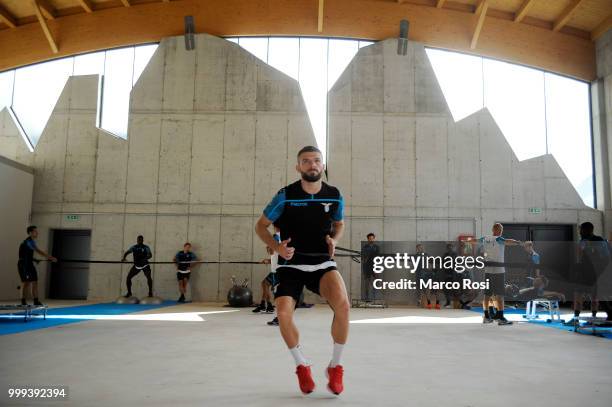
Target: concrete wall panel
<point>179,76</point>
<point>143,159</point>
<point>175,167</point>
<point>207,159</point>
<point>238,159</point>
<point>211,65</point>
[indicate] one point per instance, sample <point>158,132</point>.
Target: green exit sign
<point>535,210</point>
<point>73,218</point>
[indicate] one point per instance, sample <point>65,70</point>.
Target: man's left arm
<point>512,242</point>
<point>337,227</point>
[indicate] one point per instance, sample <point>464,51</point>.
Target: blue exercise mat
<point>542,321</point>
<point>15,323</point>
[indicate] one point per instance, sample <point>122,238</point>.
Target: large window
<point>32,92</point>
<point>538,112</point>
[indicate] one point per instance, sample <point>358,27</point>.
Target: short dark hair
<point>31,228</point>
<point>371,234</point>
<point>308,149</point>
<point>187,244</point>
<point>587,227</point>
<point>140,237</point>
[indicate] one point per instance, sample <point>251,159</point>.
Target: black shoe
<point>181,299</point>
<point>504,321</point>
<point>572,322</point>
<point>486,320</point>
<point>259,309</point>
<point>150,295</point>
<point>23,302</point>
<point>270,309</point>
<point>128,295</point>
<point>38,302</point>
<point>274,322</point>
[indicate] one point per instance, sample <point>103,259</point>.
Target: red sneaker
<point>334,375</point>
<point>428,306</point>
<point>437,306</point>
<point>307,385</point>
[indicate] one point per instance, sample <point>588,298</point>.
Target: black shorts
<point>182,276</point>
<point>291,281</point>
<point>272,279</point>
<point>27,272</point>
<point>497,284</point>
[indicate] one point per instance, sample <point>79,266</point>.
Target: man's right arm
<point>261,228</point>
<point>126,253</point>
<point>271,214</point>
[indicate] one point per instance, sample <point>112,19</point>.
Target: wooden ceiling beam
<point>481,13</point>
<point>602,28</point>
<point>479,7</point>
<point>47,9</point>
<point>440,3</point>
<point>566,14</point>
<point>86,5</point>
<point>525,44</point>
<point>522,11</point>
<point>7,18</point>
<point>320,16</point>
<point>45,27</point>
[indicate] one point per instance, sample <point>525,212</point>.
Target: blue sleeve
<point>32,244</point>
<point>480,240</point>
<point>149,254</point>
<point>536,258</point>
<point>193,256</point>
<point>277,237</point>
<point>274,210</point>
<point>130,250</point>
<point>501,240</point>
<point>338,214</point>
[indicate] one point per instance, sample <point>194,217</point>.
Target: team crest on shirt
<point>326,205</point>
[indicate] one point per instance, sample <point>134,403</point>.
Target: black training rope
<point>354,257</point>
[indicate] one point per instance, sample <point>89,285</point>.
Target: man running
<point>141,254</point>
<point>25,265</point>
<point>309,214</point>
<point>183,260</point>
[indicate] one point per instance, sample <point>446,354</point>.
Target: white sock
<point>338,347</point>
<point>298,356</point>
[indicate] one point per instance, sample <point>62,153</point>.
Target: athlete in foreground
<point>309,214</point>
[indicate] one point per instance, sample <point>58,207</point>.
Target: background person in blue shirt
<point>183,269</point>
<point>25,265</point>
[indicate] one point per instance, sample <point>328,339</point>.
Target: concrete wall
<point>16,181</point>
<point>409,172</point>
<point>213,135</point>
<point>601,114</point>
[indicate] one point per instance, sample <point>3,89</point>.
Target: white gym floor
<point>188,355</point>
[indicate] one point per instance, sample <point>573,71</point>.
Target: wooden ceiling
<point>555,35</point>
